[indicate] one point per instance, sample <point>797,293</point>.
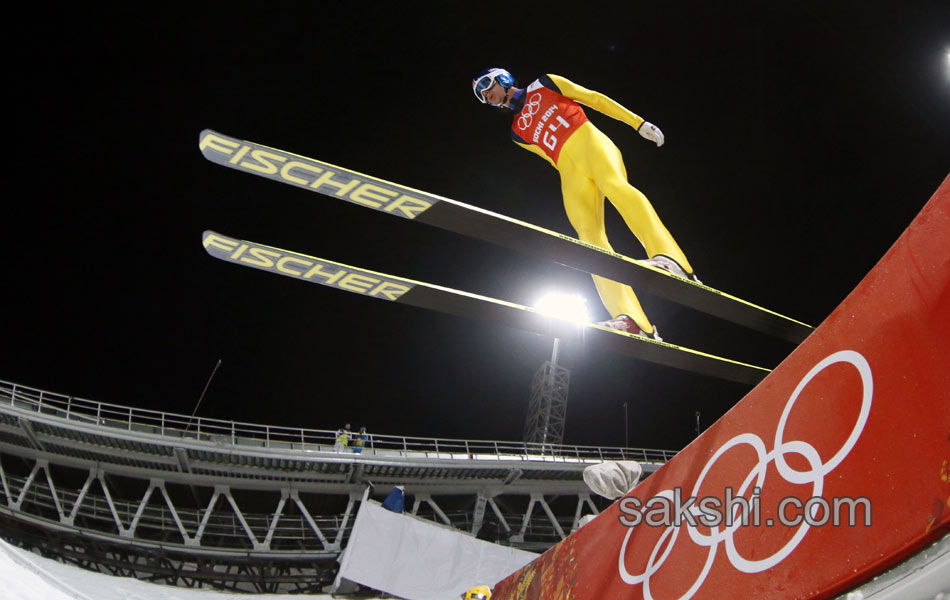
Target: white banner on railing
<point>416,559</point>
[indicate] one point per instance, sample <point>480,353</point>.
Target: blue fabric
<point>395,501</point>
<point>517,100</point>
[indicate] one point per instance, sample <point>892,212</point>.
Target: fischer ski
<point>416,205</point>
<point>424,295</point>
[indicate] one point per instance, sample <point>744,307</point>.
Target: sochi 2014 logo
<point>781,447</point>
<point>530,109</point>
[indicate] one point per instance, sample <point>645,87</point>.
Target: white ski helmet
<point>487,78</point>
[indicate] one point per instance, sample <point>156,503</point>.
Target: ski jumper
<point>551,123</point>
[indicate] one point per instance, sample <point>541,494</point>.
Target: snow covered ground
<point>27,576</point>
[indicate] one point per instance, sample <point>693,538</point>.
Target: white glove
<point>651,132</point>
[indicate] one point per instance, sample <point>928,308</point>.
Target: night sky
<point>801,140</point>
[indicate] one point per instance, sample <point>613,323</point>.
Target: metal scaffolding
<point>547,405</point>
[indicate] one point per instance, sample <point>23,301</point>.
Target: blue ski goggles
<point>483,83</point>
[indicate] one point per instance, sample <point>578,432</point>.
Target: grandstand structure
<point>247,507</point>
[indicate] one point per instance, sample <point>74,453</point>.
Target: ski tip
<point>212,240</point>
<point>213,145</point>
<point>201,136</point>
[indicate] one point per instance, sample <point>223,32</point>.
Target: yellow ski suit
<point>550,123</point>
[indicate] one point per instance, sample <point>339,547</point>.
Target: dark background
<point>801,139</point>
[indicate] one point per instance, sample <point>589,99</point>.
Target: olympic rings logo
<point>530,109</point>
<point>815,477</point>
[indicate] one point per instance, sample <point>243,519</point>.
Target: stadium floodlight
<point>569,307</point>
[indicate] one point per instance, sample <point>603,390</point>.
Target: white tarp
<point>416,559</point>
<point>613,479</point>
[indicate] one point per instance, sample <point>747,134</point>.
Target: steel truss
<point>547,406</point>
<point>228,514</point>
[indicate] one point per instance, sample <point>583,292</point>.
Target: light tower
<point>547,405</point>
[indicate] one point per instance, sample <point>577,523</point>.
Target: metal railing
<point>235,433</point>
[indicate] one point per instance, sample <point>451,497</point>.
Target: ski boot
<point>625,324</point>
<point>663,261</point>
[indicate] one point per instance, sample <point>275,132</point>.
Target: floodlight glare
<point>569,307</point>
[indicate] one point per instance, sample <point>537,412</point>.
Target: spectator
<point>359,440</point>
<point>342,438</point>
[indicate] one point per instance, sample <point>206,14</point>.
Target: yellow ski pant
<point>591,168</point>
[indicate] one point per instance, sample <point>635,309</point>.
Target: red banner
<point>834,467</point>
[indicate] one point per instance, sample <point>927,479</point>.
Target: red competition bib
<point>547,119</point>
